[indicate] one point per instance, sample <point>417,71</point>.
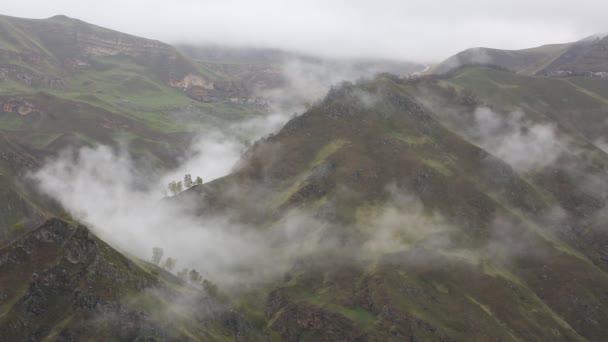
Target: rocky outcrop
<point>119,44</point>
<point>191,80</point>
<point>24,56</point>
<point>17,105</point>
<point>31,79</point>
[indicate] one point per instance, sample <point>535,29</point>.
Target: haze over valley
<point>232,184</point>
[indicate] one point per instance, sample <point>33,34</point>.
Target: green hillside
<point>64,82</point>
<point>417,227</point>
<point>478,254</point>
<point>584,58</point>
<point>86,290</point>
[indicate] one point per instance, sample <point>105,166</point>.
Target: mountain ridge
<point>582,58</point>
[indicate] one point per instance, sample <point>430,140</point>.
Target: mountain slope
<point>415,227</point>
<point>60,282</point>
<point>587,57</point>
<point>526,61</point>
<point>426,235</point>
<point>584,58</point>
<point>60,45</point>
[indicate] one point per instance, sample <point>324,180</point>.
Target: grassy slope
<point>576,104</point>
<point>586,55</point>
<point>526,61</point>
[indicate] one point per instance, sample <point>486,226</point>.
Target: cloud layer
<point>416,30</point>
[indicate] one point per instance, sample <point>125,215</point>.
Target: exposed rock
<point>81,249</point>
<point>34,301</point>
<point>191,80</point>
<point>17,105</point>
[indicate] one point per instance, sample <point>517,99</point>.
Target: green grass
<point>294,185</point>
<point>517,89</point>
<point>411,139</point>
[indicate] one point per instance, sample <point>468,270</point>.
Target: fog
<point>101,187</point>
<point>525,145</point>
<point>425,31</point>
<point>124,203</point>
<point>98,186</point>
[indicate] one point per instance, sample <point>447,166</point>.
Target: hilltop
<point>584,58</point>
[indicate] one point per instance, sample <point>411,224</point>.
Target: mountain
<point>262,70</point>
<point>429,230</point>
<point>526,61</point>
<point>463,206</point>
<point>417,223</point>
<point>43,52</point>
<point>584,58</point>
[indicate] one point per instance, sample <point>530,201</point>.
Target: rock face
<point>31,79</point>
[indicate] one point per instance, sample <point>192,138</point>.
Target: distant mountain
<point>584,58</point>
<point>587,58</point>
<point>41,52</point>
<point>261,70</point>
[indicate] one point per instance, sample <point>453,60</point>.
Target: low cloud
<point>402,223</point>
<point>525,145</point>
<point>415,30</point>
<point>99,186</point>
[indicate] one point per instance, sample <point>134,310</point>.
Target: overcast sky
<point>425,30</point>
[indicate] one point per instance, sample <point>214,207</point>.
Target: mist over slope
<point>372,212</point>
<point>67,83</point>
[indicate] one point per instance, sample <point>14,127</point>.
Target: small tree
<point>180,187</point>
<point>188,181</point>
<point>199,180</point>
<point>157,255</point>
<point>169,264</point>
<point>195,277</point>
<point>173,187</point>
<point>183,274</point>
